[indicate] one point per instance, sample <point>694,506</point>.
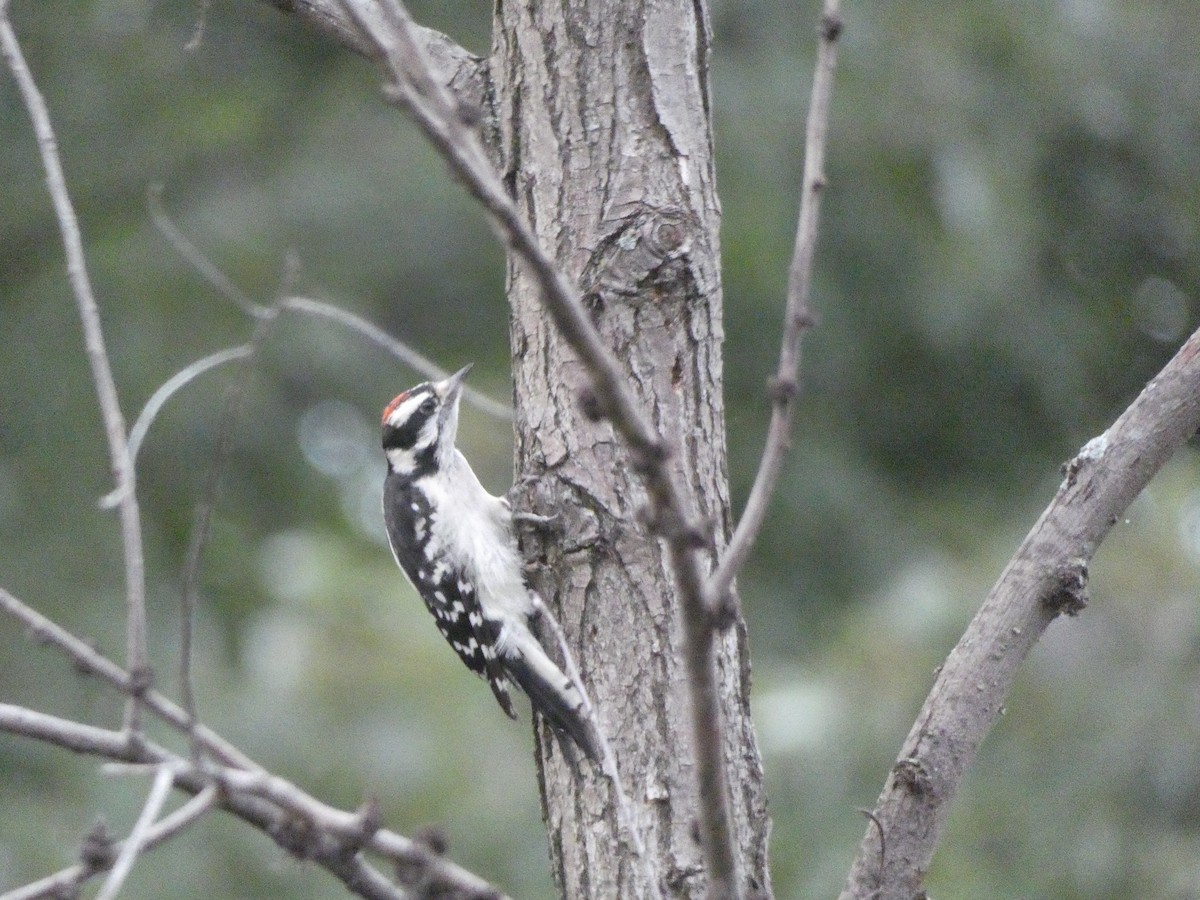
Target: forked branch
<point>302,824</point>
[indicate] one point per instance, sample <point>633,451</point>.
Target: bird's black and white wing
<point>446,592</point>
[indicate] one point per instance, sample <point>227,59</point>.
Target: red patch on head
<point>391,407</point>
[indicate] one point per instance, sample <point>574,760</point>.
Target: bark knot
<point>912,774</point>
<point>782,390</point>
<point>1092,452</point>
<point>1068,590</point>
<point>590,404</point>
<point>141,680</point>
<point>831,27</point>
<point>638,252</point>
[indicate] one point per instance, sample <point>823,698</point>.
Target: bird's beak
<point>452,386</point>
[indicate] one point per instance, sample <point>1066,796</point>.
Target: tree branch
<point>416,361</point>
<point>416,89</point>
<point>106,389</point>
<point>1047,577</point>
<point>458,69</point>
<point>307,839</point>
<point>170,387</point>
<point>798,317</point>
<point>300,823</point>
<point>90,662</point>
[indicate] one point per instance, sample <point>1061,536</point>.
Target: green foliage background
<point>1010,250</point>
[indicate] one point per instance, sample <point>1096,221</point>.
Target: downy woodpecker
<point>455,543</point>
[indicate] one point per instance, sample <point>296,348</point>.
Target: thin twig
<point>89,661</point>
<point>74,736</point>
<point>435,112</point>
<point>64,882</point>
<point>160,788</point>
<point>191,254</point>
<point>180,379</point>
<point>1046,578</point>
<point>235,395</point>
<point>416,361</point>
<point>197,37</point>
<point>221,283</point>
<point>798,317</point>
<point>874,820</point>
<point>453,63</point>
<point>106,389</point>
<point>158,399</point>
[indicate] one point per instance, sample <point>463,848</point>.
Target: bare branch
<point>106,389</point>
<point>146,835</point>
<point>459,70</point>
<point>90,662</point>
<point>73,736</point>
<point>798,317</point>
<point>198,261</point>
<point>226,288</point>
<point>329,19</point>
<point>310,839</point>
<point>1046,577</point>
<point>415,88</point>
<point>165,392</point>
<point>235,394</point>
<point>302,824</point>
<point>177,381</point>
<point>197,37</point>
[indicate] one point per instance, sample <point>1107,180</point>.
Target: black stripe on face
<point>420,405</point>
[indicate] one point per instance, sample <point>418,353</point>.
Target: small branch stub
<point>1069,594</point>
<point>782,390</point>
<point>831,26</point>
<point>99,847</point>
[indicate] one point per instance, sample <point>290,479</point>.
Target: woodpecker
<point>455,543</point>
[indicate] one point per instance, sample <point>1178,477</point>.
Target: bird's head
<point>419,426</point>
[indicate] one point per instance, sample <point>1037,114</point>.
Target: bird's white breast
<point>472,526</point>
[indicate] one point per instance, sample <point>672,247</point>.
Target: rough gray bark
<point>603,109</point>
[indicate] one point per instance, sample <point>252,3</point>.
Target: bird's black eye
<point>429,405</point>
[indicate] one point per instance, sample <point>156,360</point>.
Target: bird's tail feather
<point>554,696</point>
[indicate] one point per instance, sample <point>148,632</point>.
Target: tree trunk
<point>606,145</point>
